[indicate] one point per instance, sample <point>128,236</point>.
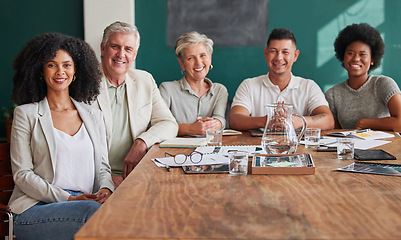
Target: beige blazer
<point>33,152</point>
<point>146,107</point>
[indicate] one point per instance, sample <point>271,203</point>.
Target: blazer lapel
<point>132,94</point>
<point>46,123</point>
<point>104,105</point>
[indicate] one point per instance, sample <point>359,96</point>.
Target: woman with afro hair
<point>58,143</point>
<point>363,101</point>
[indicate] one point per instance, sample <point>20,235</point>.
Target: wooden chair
<point>6,188</point>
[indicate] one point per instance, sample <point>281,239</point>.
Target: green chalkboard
<point>227,22</point>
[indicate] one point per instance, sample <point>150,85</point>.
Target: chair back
<point>6,186</point>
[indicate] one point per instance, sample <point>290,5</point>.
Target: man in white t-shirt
<point>279,85</point>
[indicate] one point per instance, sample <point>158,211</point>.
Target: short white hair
<point>118,27</point>
<point>191,39</point>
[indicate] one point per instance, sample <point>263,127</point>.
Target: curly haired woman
<point>363,100</point>
<point>58,144</point>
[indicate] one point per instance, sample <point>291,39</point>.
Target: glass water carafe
<point>279,136</point>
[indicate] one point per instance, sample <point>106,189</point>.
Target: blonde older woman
<point>195,101</point>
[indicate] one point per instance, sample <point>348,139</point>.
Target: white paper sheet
<point>207,159</point>
<point>223,150</point>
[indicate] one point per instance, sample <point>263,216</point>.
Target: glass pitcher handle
<point>303,125</point>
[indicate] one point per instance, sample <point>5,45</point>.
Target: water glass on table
<point>312,137</point>
<point>238,163</point>
<point>345,148</point>
<point>215,137</point>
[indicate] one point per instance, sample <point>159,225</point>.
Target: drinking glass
<point>345,148</point>
<point>215,137</point>
<point>312,137</point>
<point>238,163</point>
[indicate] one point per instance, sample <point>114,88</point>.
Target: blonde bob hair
<point>190,39</point>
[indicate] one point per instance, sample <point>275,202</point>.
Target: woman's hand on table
<point>202,124</point>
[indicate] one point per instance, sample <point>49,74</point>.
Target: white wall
<point>98,14</point>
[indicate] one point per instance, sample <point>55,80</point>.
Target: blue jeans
<point>59,220</point>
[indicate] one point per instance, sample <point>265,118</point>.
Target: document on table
<point>373,135</point>
<point>184,142</point>
<point>225,149</point>
<point>359,143</point>
<point>325,141</point>
<point>207,159</point>
<point>365,134</point>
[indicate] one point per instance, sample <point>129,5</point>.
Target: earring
<point>211,67</point>
<point>73,78</point>
<point>183,72</point>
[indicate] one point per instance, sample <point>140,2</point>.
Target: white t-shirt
<point>255,93</point>
<point>75,164</point>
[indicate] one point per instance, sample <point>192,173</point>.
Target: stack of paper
<point>212,155</point>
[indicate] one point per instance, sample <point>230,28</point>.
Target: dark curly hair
<point>29,86</point>
<point>360,32</point>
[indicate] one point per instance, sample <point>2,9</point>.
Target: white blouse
<point>75,165</point>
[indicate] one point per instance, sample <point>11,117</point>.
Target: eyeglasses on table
<point>179,159</point>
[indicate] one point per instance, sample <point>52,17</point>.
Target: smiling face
<point>118,54</point>
<point>195,61</point>
<point>280,55</point>
<point>59,72</point>
<point>357,59</point>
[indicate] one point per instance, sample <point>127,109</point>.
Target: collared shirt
<point>255,93</point>
<point>186,106</point>
<point>121,133</point>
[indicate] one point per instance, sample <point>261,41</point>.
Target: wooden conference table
<point>153,203</point>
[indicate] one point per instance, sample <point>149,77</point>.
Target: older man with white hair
<point>136,116</point>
